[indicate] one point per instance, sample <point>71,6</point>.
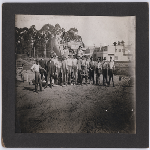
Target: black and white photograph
<point>75,74</point>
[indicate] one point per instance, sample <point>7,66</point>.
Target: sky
<point>94,30</point>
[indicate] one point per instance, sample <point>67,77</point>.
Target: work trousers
<point>91,74</point>
<point>110,75</point>
<point>43,73</point>
<point>49,77</point>
<point>38,81</point>
<point>56,76</point>
<point>79,76</point>
<point>84,74</point>
<point>98,73</point>
<point>64,76</point>
<point>69,74</point>
<point>74,70</point>
<point>59,75</point>
<point>104,76</point>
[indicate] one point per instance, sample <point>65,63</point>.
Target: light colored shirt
<point>111,64</point>
<point>79,63</point>
<point>55,62</point>
<point>35,68</point>
<point>96,64</point>
<point>64,64</point>
<point>69,62</point>
<point>99,66</point>
<point>74,62</point>
<point>105,65</point>
<point>84,63</point>
<point>66,53</point>
<point>59,64</point>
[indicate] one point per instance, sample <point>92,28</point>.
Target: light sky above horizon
<point>94,30</point>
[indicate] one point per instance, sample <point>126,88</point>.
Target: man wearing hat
<point>36,68</point>
<point>91,69</point>
<point>50,72</point>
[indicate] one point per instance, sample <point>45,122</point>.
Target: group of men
<point>72,70</point>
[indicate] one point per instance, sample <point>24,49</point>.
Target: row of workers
<point>72,70</point>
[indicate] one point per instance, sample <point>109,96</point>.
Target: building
<point>118,53</point>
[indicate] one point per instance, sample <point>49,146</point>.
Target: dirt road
<point>75,109</point>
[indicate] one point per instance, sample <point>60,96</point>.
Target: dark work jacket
<point>50,67</point>
<point>91,64</point>
<point>42,64</point>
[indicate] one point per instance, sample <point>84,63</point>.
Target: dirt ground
<point>76,109</point>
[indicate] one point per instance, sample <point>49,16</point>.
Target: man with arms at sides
<point>64,68</point>
<point>111,69</point>
<point>50,72</point>
<point>42,64</point>
<point>79,63</point>
<point>69,63</point>
<point>104,68</point>
<point>98,71</point>
<point>36,68</point>
<point>74,69</point>
<point>91,69</point>
<point>84,70</point>
<point>55,60</point>
<point>59,70</point>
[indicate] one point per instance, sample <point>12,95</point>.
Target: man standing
<point>55,60</point>
<point>91,69</point>
<point>50,72</point>
<point>105,67</point>
<point>95,71</point>
<point>84,70</point>
<point>111,68</point>
<point>98,72</point>
<point>66,52</point>
<point>69,63</point>
<point>79,63</point>
<point>64,71</point>
<point>59,71</point>
<point>42,64</point>
<point>35,68</point>
<point>74,69</point>
<point>88,61</point>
